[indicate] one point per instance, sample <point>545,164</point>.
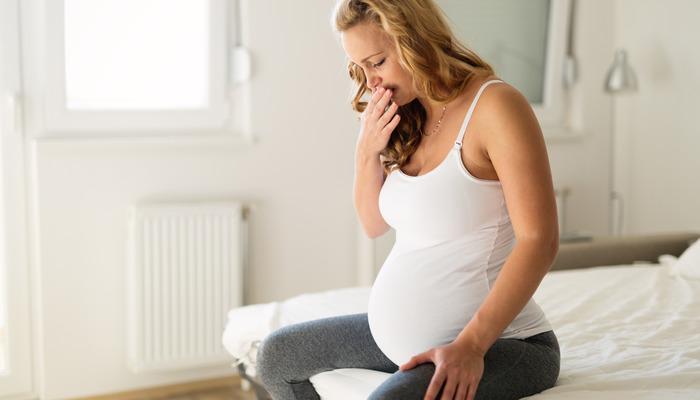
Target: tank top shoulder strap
<point>463,129</point>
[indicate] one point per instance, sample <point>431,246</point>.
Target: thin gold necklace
<point>437,126</point>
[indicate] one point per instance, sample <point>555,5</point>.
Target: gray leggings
<point>289,356</point>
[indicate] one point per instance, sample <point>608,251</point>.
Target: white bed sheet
<point>630,331</point>
<point>248,325</point>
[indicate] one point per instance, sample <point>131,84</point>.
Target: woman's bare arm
<point>516,147</point>
<point>369,178</point>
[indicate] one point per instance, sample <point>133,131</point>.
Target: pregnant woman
<point>454,160</point>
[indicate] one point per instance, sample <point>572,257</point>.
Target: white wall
<point>304,231</point>
<point>582,163</point>
<point>659,132</point>
<point>299,174</point>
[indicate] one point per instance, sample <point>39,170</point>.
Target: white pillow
<point>688,263</point>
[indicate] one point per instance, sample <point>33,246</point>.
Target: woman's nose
<point>374,83</point>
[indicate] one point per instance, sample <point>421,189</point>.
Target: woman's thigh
<point>289,356</point>
<point>513,368</point>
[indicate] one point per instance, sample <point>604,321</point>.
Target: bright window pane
<point>137,54</point>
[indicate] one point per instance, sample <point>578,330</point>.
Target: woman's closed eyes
<point>379,63</point>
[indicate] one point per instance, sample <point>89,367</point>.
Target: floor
<point>215,389</point>
<point>228,393</point>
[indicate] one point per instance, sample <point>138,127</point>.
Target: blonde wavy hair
<point>441,67</point>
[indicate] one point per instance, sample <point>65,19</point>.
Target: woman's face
<point>369,47</point>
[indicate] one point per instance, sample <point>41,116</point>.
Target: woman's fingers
<point>472,390</point>
<point>381,104</point>
<point>449,388</point>
<point>391,125</point>
<point>377,108</point>
<point>462,391</point>
<point>388,114</point>
<point>435,384</point>
<point>376,95</point>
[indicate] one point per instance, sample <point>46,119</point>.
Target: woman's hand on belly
<point>460,369</point>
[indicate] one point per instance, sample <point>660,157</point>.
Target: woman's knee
<point>273,356</point>
<point>514,370</point>
<point>406,385</point>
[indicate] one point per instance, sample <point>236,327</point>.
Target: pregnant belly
<point>419,301</point>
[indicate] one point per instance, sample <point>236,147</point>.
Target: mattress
<point>625,331</point>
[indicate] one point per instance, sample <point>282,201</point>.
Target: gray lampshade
<point>621,77</point>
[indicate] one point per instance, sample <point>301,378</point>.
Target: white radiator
<point>185,273</point>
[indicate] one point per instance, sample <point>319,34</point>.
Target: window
<point>140,67</point>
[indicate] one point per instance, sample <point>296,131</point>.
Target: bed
<point>626,311</point>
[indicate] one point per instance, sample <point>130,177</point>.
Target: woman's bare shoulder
<point>501,100</point>
<point>503,109</point>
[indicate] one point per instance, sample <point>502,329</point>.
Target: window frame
<point>552,112</point>
<point>14,220</point>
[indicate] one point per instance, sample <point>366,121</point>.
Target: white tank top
<point>453,234</point>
